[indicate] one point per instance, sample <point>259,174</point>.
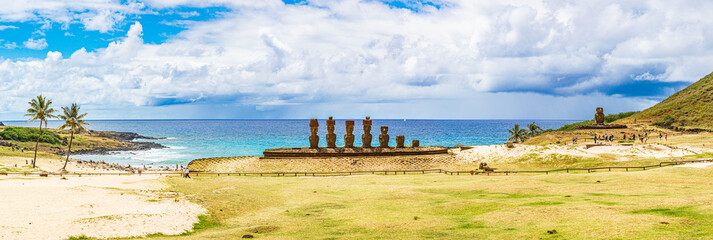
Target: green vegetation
<point>607,205</point>
<point>81,237</point>
<point>39,110</point>
<point>517,134</point>
<point>75,122</point>
<point>533,130</point>
<point>23,134</point>
<point>607,119</point>
<point>688,109</point>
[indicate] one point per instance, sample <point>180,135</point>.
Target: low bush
<point>607,119</point>
<point>22,134</point>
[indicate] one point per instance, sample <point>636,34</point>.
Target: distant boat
<point>404,119</point>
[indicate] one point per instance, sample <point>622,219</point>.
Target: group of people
<point>631,137</point>
<point>18,148</point>
<point>604,137</point>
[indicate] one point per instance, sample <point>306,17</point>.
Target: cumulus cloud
<point>36,44</point>
<point>355,54</point>
<point>100,16</point>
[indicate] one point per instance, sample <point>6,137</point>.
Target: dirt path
<point>101,207</point>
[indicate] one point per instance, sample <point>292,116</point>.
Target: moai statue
<point>349,137</point>
<point>331,137</point>
<point>400,141</point>
<point>415,144</point>
<point>313,128</point>
<point>384,137</point>
<point>366,137</point>
<point>599,116</point>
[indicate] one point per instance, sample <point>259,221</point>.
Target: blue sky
<point>442,59</point>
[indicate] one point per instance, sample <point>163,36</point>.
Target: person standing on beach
<point>666,136</point>
<point>186,173</point>
<point>595,138</point>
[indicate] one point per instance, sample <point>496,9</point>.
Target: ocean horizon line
<point>300,119</point>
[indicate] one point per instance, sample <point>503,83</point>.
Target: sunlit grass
<point>670,202</point>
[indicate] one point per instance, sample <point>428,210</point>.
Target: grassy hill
<point>688,109</point>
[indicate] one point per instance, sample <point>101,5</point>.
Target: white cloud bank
<point>473,58</point>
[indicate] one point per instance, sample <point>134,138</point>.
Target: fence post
<point>589,170</point>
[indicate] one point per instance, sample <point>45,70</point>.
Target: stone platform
<point>351,152</point>
<point>600,126</point>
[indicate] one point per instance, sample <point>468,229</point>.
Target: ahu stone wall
<point>331,164</point>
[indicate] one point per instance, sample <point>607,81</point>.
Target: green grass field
<point>666,203</point>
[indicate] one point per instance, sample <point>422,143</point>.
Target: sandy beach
<point>101,207</point>
<point>495,153</point>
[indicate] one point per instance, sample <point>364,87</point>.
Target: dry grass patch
<point>671,202</point>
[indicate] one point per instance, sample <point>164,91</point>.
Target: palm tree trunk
<point>37,144</point>
<point>68,151</point>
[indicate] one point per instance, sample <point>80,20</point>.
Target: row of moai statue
<point>349,137</point>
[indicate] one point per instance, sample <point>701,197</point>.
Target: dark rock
<point>2,125</point>
<point>248,236</point>
<point>122,136</point>
<point>600,126</point>
<point>552,231</point>
<point>135,146</point>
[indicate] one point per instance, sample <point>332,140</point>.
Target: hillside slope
<point>688,109</point>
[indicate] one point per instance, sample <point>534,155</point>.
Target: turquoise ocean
<point>192,139</point>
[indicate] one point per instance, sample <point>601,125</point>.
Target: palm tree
<point>75,122</point>
<point>517,134</point>
<point>534,129</point>
<point>39,110</point>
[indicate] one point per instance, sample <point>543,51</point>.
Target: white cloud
<point>103,21</point>
<point>36,44</point>
<point>359,54</point>
<point>3,27</point>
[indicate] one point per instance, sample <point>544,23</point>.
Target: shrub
<point>607,119</point>
<point>22,134</point>
<point>666,122</point>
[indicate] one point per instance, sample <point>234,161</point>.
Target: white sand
<point>55,165</point>
<point>696,165</point>
<point>101,207</point>
<point>494,153</point>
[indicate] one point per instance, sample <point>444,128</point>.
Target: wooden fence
<point>387,172</point>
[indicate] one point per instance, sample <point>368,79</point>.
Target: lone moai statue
<point>415,144</point>
<point>313,128</point>
<point>384,137</point>
<point>349,137</point>
<point>599,116</point>
<point>366,137</point>
<point>400,141</point>
<point>331,137</point>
